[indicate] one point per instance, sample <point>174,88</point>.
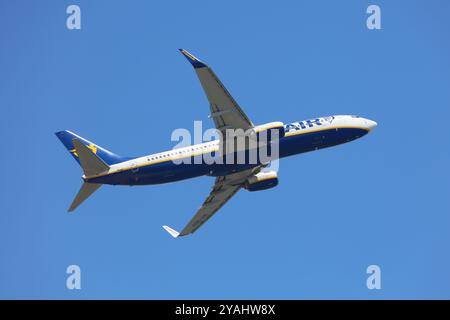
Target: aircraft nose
<point>371,124</point>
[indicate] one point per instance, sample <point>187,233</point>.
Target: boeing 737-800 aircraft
<point>101,166</point>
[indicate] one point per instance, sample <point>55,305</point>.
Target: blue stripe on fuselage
<point>169,171</point>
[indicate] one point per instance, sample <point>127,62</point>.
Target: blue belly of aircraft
<point>168,171</point>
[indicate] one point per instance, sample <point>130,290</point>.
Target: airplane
<point>101,166</point>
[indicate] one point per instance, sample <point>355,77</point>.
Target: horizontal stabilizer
<point>172,232</point>
<point>89,161</point>
<point>85,191</point>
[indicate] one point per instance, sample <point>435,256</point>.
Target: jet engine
<point>270,131</point>
<point>262,181</point>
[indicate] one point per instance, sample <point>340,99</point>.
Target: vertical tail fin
<point>107,156</point>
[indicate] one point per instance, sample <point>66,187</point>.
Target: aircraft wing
<point>224,188</point>
<point>225,111</point>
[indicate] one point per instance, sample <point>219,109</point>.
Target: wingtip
<point>171,231</point>
<point>192,59</point>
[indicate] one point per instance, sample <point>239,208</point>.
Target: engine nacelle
<point>270,130</point>
<point>262,181</point>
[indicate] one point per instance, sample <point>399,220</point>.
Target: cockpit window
<point>353,116</point>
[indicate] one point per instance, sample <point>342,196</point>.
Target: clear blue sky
<point>121,82</point>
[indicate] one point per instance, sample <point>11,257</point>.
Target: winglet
<point>172,232</point>
<point>193,60</point>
